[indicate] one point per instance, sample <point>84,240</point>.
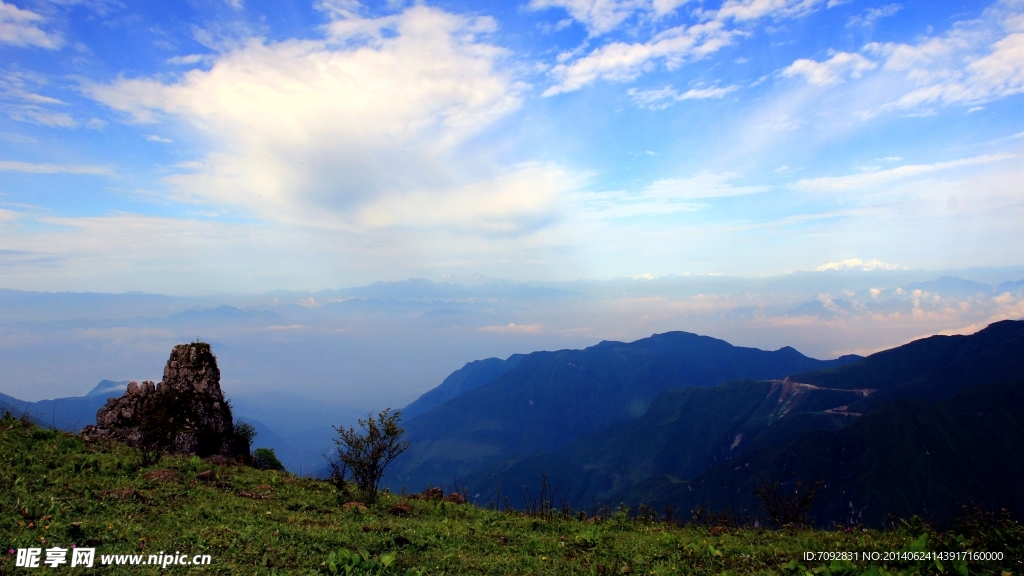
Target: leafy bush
<point>265,459</point>
<point>242,437</point>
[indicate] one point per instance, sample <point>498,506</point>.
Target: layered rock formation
<point>185,413</point>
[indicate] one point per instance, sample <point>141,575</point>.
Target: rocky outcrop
<point>185,413</point>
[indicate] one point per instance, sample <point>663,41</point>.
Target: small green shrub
<point>265,459</point>
<point>347,562</point>
<point>243,435</point>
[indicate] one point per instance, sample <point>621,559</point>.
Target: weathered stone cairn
<point>184,414</point>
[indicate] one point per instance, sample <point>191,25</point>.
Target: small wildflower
<point>11,551</point>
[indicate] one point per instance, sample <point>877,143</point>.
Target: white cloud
<point>664,97</point>
<point>521,199</point>
<point>704,93</point>
<point>122,251</point>
<point>975,62</point>
<point>603,16</point>
<point>705,185</point>
<point>879,177</point>
<point>665,7</point>
<point>35,168</point>
<point>363,129</point>
<point>620,61</point>
<point>873,14</point>
<point>830,71</point>
<point>623,61</point>
<point>665,196</point>
<point>21,28</point>
<point>155,138</point>
<point>998,74</point>
<point>188,59</point>
<point>599,16</point>
<point>35,115</point>
<point>746,10</point>
<point>145,248</point>
<point>18,91</point>
<point>903,57</point>
<point>513,328</point>
<point>858,264</point>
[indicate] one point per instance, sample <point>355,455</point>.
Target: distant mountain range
<point>903,458</point>
<point>470,377</point>
<point>943,430</point>
<point>545,400</point>
<point>918,429</point>
<point>70,414</point>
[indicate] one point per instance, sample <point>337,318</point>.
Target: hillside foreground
<point>58,491</point>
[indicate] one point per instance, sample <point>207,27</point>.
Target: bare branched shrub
<point>704,515</point>
<point>786,507</point>
<point>362,456</point>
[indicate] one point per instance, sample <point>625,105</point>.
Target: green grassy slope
<point>57,491</point>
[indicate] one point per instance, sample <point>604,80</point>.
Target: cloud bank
<point>365,129</point>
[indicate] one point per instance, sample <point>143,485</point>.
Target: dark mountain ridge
<point>69,414</point>
<point>685,431</point>
<point>470,377</point>
<point>958,396</point>
<point>550,398</point>
<point>904,458</point>
<point>932,368</point>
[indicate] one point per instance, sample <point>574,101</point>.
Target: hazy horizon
<point>386,343</point>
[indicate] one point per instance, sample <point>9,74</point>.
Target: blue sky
<point>238,146</point>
